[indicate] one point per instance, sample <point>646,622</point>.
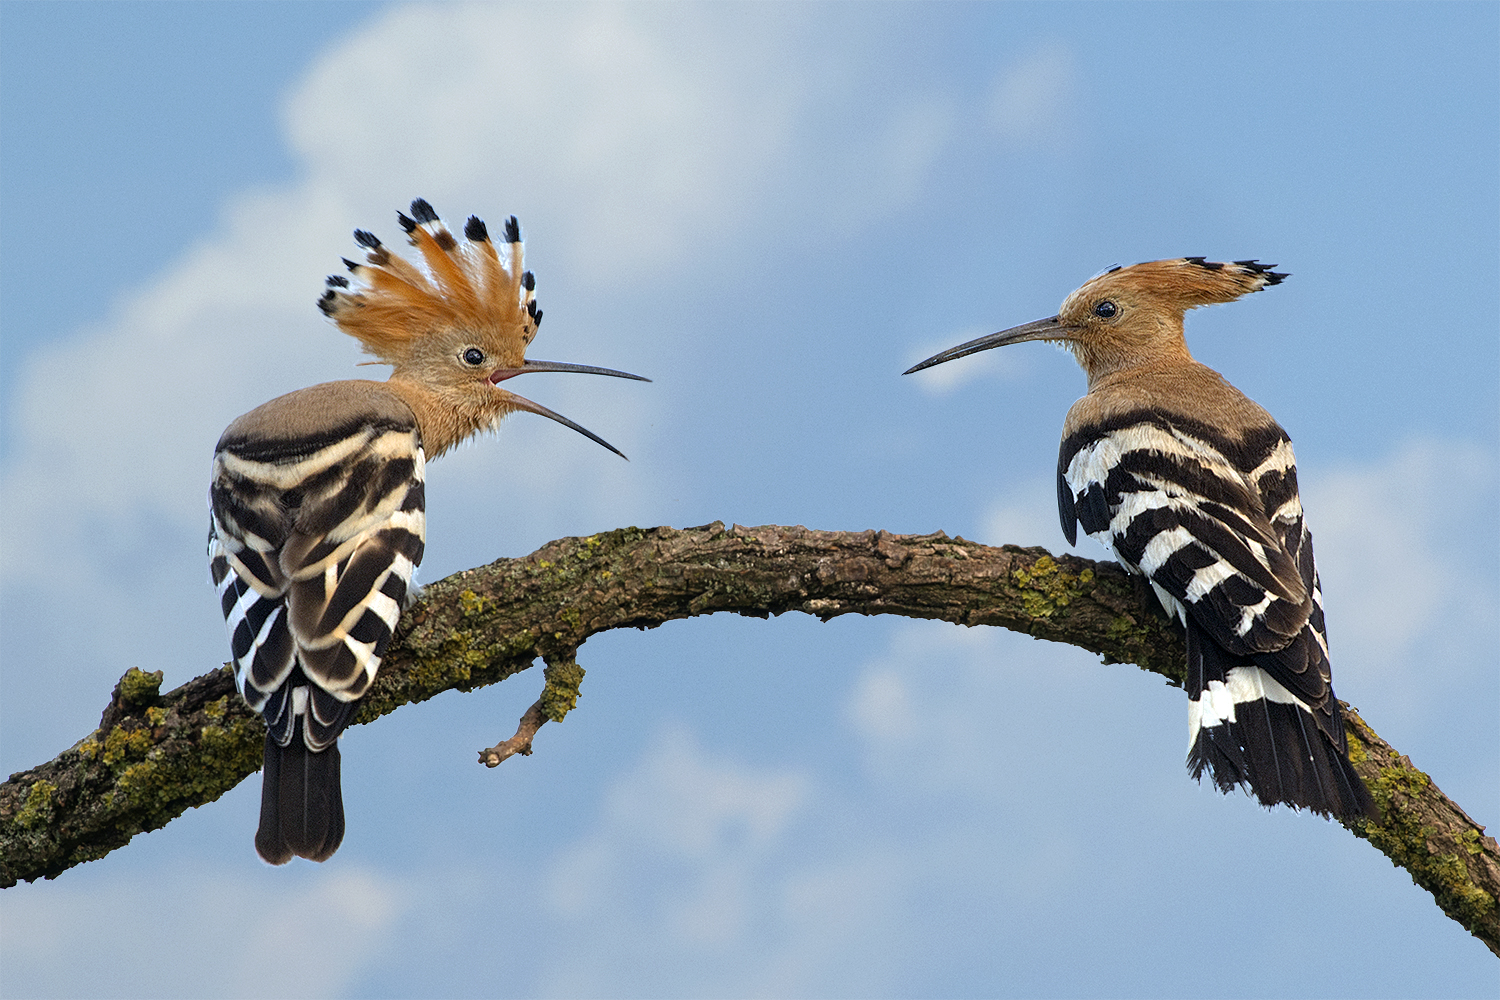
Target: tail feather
<point>301,803</point>
<point>1248,731</point>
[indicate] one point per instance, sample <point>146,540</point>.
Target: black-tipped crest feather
<point>421,210</point>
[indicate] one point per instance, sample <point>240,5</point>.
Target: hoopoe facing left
<point>318,504</point>
<point>1191,484</point>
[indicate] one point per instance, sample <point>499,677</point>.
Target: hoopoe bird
<point>318,505</point>
<point>1192,485</point>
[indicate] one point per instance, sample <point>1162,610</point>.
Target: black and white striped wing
<point>314,536</point>
<point>1216,526</point>
<point>1179,503</point>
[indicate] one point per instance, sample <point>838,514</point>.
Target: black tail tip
<point>1323,781</point>
<point>301,803</point>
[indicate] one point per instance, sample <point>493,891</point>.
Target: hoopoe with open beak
<point>318,505</point>
<point>1194,486</point>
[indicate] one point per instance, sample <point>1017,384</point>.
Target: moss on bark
<point>154,756</point>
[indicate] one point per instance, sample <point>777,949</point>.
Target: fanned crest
<point>462,285</point>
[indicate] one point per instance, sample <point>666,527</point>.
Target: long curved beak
<point>500,375</point>
<point>1050,328</point>
<point>522,403</point>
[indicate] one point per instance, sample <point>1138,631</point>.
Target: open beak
<point>1051,328</point>
<point>522,403</point>
<point>501,374</point>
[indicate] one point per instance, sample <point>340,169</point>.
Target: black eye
<point>1105,309</point>
<point>473,356</point>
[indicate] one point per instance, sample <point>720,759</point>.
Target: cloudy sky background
<point>772,211</point>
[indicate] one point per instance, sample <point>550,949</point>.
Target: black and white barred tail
<point>1247,730</point>
<point>317,524</point>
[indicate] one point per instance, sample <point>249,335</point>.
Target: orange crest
<point>1183,282</point>
<point>462,286</point>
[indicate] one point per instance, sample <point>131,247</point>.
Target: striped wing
<point>1187,510</point>
<point>1216,526</point>
<point>314,536</point>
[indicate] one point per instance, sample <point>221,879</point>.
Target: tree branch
<point>154,755</point>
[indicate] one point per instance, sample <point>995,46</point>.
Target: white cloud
<point>629,133</point>
<point>1026,514</point>
<point>641,146</point>
<point>699,878</point>
<point>882,706</point>
<point>945,700</point>
<point>628,136</point>
<point>226,935</point>
<point>634,143</point>
<point>685,844</point>
<point>709,816</point>
<point>1407,590</point>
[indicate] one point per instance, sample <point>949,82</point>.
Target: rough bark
<point>154,756</point>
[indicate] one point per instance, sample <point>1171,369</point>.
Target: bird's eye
<point>473,356</point>
<point>1106,309</point>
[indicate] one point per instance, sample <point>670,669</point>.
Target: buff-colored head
<point>1130,315</point>
<point>452,329</point>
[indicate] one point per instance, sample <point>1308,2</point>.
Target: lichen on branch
<point>154,756</point>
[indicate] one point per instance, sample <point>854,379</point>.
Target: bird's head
<point>1129,315</point>
<point>456,327</point>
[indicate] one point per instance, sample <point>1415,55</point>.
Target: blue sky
<point>771,211</point>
